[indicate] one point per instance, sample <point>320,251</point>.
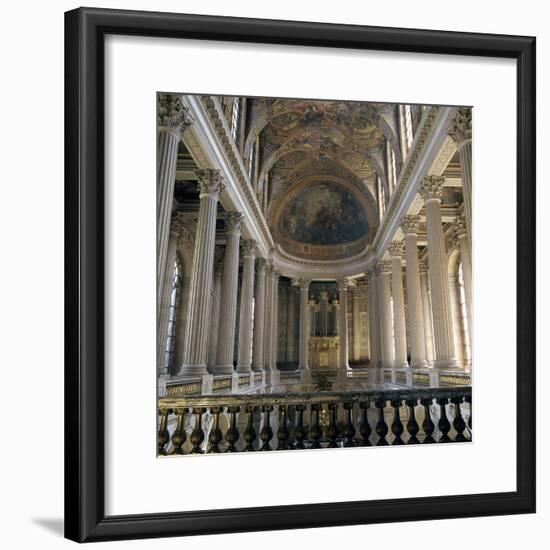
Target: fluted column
<point>344,340</point>
<point>173,119</point>
<point>164,304</point>
<point>275,320</point>
<point>374,320</point>
<point>427,311</point>
<point>244,357</point>
<point>268,318</point>
<point>399,327</point>
<point>215,309</point>
<point>228,309</point>
<point>259,317</point>
<point>304,323</point>
<point>466,258</point>
<point>356,319</point>
<point>200,288</point>
<point>409,226</point>
<point>290,325</point>
<point>384,307</point>
<point>461,132</point>
<point>432,191</point>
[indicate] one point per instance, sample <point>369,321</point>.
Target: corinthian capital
<point>249,248</point>
<point>432,187</point>
<point>303,284</point>
<point>261,264</point>
<point>409,224</point>
<point>461,126</point>
<point>172,113</point>
<point>383,267</point>
<point>233,221</point>
<point>459,227</point>
<point>395,249</point>
<point>210,182</point>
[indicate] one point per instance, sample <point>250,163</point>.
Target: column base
<point>223,369</point>
<point>257,368</point>
<point>189,370</point>
<point>420,364</point>
<point>447,364</point>
<point>400,365</point>
<point>245,369</point>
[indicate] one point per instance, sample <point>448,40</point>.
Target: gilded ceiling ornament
<point>461,126</point>
<point>432,187</point>
<point>409,224</point>
<point>172,113</point>
<point>210,182</point>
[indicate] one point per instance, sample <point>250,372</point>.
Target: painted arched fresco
<point>323,214</point>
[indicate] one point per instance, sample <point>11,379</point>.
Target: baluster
<point>316,432</point>
<point>250,433</point>
<point>427,425</point>
<point>468,400</point>
<point>332,431</point>
<point>458,423</point>
<point>381,426</point>
<point>349,428</point>
<point>299,432</point>
<point>412,424</point>
<point>232,434</point>
<point>215,435</point>
<point>282,433</point>
<point>266,433</point>
<point>397,426</point>
<point>163,434</point>
<point>443,424</point>
<point>197,435</point>
<point>179,436</point>
<point>364,428</point>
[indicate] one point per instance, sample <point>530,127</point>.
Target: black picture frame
<point>85,29</point>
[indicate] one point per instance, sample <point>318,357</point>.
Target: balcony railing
<point>264,422</point>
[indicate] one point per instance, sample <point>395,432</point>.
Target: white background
<point>32,140</point>
<point>136,69</point>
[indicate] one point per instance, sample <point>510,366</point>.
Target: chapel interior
<point>305,240</point>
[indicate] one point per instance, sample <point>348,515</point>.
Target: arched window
<point>235,113</point>
<point>171,333</point>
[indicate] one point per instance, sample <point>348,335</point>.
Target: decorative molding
<point>432,188</point>
<point>233,221</point>
<point>210,182</point>
<point>248,248</point>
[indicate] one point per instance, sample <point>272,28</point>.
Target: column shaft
<point>427,311</point>
<point>399,327</point>
<point>275,322</point>
<point>259,317</point>
<point>244,358</point>
<point>215,318</point>
<point>374,321</point>
<point>304,325</point>
<point>290,325</point>
<point>356,315</point>
<point>384,306</point>
<point>268,319</point>
<point>344,340</point>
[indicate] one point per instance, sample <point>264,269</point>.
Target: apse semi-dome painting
<point>323,214</point>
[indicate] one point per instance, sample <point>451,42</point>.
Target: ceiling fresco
<point>323,214</point>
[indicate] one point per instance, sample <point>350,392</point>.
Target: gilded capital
<point>432,187</point>
<point>210,182</point>
<point>172,113</point>
<point>409,224</point>
<point>460,129</point>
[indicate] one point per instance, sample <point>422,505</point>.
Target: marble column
<point>356,319</point>
<point>409,226</point>
<point>230,281</point>
<point>173,118</point>
<point>454,293</point>
<point>374,321</point>
<point>200,289</point>
<point>427,311</point>
<point>395,250</point>
<point>432,191</point>
<point>291,325</point>
<point>275,321</point>
<point>244,357</point>
<point>466,258</point>
<point>461,132</point>
<point>164,304</point>
<point>259,317</point>
<point>215,310</point>
<point>268,317</point>
<point>343,362</point>
<point>384,308</point>
<point>304,323</point>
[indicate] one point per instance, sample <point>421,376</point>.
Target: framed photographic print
<point>282,272</point>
